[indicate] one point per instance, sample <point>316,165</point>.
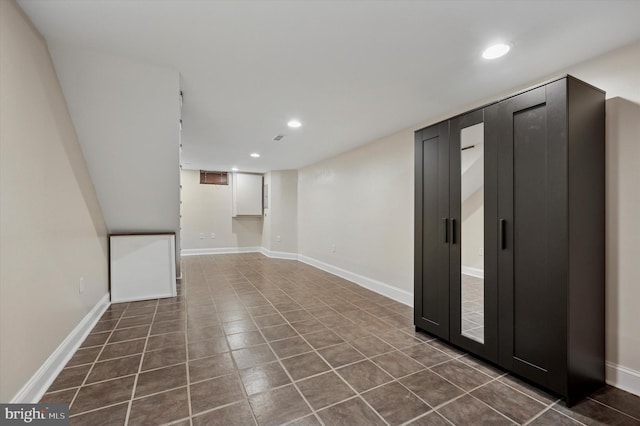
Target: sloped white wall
<point>126,115</point>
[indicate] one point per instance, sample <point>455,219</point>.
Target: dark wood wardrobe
<point>509,234</point>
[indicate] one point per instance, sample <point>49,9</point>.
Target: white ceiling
<point>351,71</point>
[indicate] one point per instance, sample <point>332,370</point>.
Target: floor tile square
<point>102,394</point>
<point>118,350</point>
<point>397,364</point>
<point>323,339</point>
<point>111,369</point>
<point>263,377</point>
<point>165,340</point>
<point>278,406</point>
<point>371,346</point>
<point>325,389</point>
<point>70,377</point>
<point>84,356</point>
<point>255,355</point>
<point>210,367</point>
<point>214,393</point>
<point>351,412</point>
<point>364,375</point>
<point>164,357</point>
<point>160,380</point>
<point>278,332</point>
<point>129,334</point>
<point>290,347</point>
<point>304,365</point>
<point>238,414</point>
<point>395,403</point>
<point>467,410</point>
<point>205,348</point>
<point>160,408</point>
<point>114,415</point>
<point>461,374</point>
<point>433,389</point>
<point>340,355</point>
<point>515,405</point>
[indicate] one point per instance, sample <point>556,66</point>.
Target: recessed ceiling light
<point>234,169</point>
<point>294,123</point>
<point>496,51</point>
<point>255,155</point>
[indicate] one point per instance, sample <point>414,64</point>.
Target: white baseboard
<point>278,254</point>
<point>38,384</point>
<point>623,377</point>
<point>474,272</point>
<point>379,287</point>
<point>223,250</point>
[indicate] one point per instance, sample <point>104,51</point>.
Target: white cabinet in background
<point>246,192</point>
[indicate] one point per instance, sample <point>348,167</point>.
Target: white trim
<point>379,287</point>
<point>38,384</point>
<point>474,272</point>
<point>278,254</point>
<point>223,250</point>
<point>623,377</point>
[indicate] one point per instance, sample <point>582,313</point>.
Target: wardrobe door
<point>473,204</point>
<point>431,275</point>
<point>530,130</point>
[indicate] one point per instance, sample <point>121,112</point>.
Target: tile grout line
<point>314,350</point>
<point>185,294</point>
<point>95,361</point>
<point>135,380</point>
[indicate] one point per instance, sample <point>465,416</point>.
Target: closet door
<point>432,233</point>
<point>530,130</point>
<point>473,255</point>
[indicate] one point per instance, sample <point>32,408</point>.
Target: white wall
<point>266,221</point>
<point>361,202</point>
<point>51,227</point>
<point>126,115</point>
<point>207,209</point>
<point>281,224</point>
<point>623,233</point>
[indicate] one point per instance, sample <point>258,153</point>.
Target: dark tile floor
<point>254,340</point>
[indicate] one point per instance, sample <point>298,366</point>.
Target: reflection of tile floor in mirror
<point>251,340</point>
<point>473,307</point>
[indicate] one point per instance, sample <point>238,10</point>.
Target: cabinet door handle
<point>453,231</point>
<point>445,229</point>
<point>503,234</point>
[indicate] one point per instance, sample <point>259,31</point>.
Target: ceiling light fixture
<point>496,51</point>
<point>234,169</point>
<point>255,155</point>
<point>294,124</point>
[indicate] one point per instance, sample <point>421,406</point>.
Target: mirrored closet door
<point>473,295</point>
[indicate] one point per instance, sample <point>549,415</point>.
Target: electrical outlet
<point>481,251</point>
<point>81,285</point>
<point>333,248</point>
<point>202,235</point>
<point>213,235</point>
<point>278,238</point>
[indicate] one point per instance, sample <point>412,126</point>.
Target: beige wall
<point>361,202</point>
<point>51,226</point>
<point>207,209</point>
<point>623,232</point>
<point>281,230</point>
<point>473,232</point>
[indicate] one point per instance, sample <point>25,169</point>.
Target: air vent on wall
<point>278,138</point>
